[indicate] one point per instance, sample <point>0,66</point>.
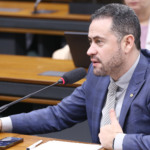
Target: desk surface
<point>25,9</point>
<point>20,76</point>
<point>23,20</point>
<point>27,69</point>
<point>28,140</point>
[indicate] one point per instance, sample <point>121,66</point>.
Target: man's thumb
<point>113,117</point>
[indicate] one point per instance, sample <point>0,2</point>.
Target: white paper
<point>60,145</point>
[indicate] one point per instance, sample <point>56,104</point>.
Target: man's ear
<point>127,43</point>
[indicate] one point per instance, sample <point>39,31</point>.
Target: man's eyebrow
<point>96,37</point>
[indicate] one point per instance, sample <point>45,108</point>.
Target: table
<point>21,19</point>
<point>20,75</point>
<point>28,140</point>
<point>17,19</point>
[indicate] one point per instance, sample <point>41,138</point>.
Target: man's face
<point>105,51</point>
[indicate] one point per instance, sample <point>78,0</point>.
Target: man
<point>114,36</point>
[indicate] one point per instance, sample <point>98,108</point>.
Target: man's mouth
<point>95,61</point>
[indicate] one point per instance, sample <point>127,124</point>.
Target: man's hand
<point>109,132</point>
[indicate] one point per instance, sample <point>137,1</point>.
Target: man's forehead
<point>100,26</point>
<point>102,19</point>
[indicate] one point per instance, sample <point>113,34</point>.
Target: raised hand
<point>109,132</point>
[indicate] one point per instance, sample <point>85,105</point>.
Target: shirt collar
<point>123,81</point>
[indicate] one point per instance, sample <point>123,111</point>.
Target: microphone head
<point>73,76</point>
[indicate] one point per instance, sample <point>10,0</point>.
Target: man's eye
<point>98,41</point>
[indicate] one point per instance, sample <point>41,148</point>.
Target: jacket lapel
<point>98,105</point>
<point>135,85</point>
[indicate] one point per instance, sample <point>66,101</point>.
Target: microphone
<point>36,11</point>
<point>68,78</point>
<point>73,76</point>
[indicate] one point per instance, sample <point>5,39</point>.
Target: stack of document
<point>60,145</point>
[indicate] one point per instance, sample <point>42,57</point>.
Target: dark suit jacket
<point>86,102</point>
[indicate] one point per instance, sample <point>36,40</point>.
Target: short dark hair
<point>124,21</point>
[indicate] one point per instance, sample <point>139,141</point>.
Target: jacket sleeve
<point>68,112</point>
<point>136,142</point>
<point>141,140</point>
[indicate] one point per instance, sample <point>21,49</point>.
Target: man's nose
<point>91,51</point>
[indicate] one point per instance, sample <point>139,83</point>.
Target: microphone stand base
<point>43,11</point>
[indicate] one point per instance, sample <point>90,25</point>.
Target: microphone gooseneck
<point>67,78</point>
<point>4,107</point>
<point>35,6</point>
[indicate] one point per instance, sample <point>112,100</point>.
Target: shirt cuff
<point>6,124</point>
<point>119,141</point>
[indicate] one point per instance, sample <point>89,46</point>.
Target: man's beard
<point>112,66</point>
